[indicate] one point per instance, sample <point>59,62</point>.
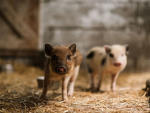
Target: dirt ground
<point>19,94</point>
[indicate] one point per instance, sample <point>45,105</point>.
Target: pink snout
<point>117,64</point>
<point>61,70</point>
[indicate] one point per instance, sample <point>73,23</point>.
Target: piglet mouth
<point>61,70</point>
<point>117,64</point>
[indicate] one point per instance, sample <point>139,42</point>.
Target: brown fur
<point>61,52</point>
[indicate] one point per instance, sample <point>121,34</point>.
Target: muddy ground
<point>19,94</point>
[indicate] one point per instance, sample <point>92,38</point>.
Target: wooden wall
<point>19,27</point>
<point>98,22</point>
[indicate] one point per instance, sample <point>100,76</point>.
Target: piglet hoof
<point>96,90</point>
<point>113,90</point>
<point>70,94</point>
<point>41,99</point>
<point>65,99</point>
<point>93,89</point>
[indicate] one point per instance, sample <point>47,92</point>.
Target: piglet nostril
<point>117,64</point>
<point>61,69</point>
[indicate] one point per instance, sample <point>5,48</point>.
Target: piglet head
<point>117,54</point>
<point>61,58</point>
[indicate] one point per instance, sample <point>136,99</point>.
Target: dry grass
<point>19,94</point>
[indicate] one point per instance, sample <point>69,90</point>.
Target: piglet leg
<point>100,81</point>
<point>45,88</point>
<point>72,81</point>
<point>64,87</point>
<point>113,82</point>
<point>92,76</point>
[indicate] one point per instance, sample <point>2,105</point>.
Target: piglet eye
<point>111,55</point>
<point>54,57</point>
<point>68,57</point>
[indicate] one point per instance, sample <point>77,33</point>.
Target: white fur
<point>108,68</point>
<point>71,86</point>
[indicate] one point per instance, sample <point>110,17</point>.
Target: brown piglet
<point>63,63</point>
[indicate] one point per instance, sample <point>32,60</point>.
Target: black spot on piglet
<point>103,61</point>
<point>89,69</point>
<point>90,55</point>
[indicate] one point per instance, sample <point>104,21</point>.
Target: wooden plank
<point>18,53</point>
<point>25,30</point>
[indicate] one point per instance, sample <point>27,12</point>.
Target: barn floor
<point>19,94</point>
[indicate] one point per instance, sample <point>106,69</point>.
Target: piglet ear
<point>73,49</point>
<point>107,48</point>
<point>127,48</point>
<point>48,49</point>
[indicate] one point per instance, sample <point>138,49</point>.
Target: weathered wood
<point>9,13</point>
<point>18,53</point>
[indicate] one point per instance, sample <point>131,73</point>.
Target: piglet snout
<point>61,70</point>
<point>117,64</point>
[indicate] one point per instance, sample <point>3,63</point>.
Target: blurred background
<point>26,25</point>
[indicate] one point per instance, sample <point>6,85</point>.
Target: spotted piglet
<point>107,60</point>
<point>63,63</point>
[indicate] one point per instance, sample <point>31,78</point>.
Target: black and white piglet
<point>107,60</point>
